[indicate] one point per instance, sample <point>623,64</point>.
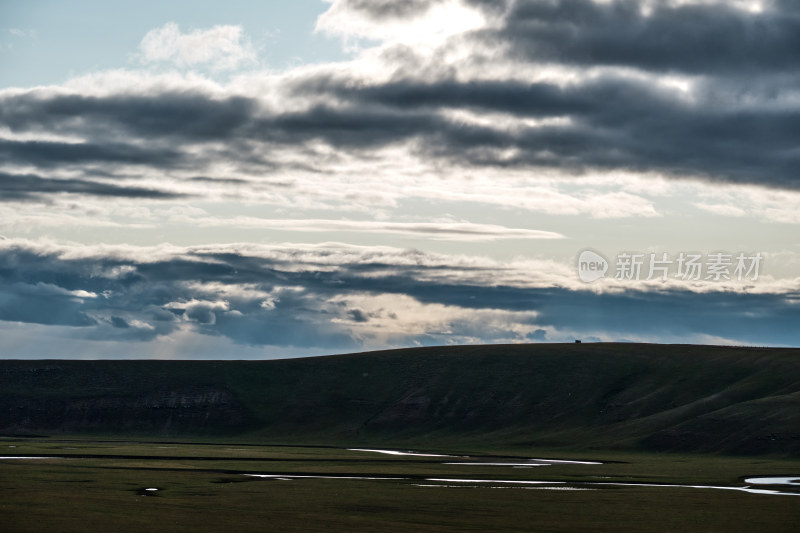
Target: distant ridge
<point>571,396</point>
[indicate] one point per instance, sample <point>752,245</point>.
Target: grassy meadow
<point>99,485</point>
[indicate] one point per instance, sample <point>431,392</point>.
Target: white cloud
<point>20,32</point>
<point>218,48</point>
<point>427,27</point>
<point>459,231</point>
<point>390,319</point>
<point>722,209</point>
<point>768,205</point>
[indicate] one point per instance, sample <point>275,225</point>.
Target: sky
<point>283,179</point>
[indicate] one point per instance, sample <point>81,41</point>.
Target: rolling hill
<point>571,396</point>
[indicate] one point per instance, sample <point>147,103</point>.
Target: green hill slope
<point>656,397</point>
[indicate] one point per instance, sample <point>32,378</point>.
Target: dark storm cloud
<point>51,154</point>
<point>185,115</point>
<point>223,294</point>
<point>357,315</point>
<point>615,122</point>
<point>695,38</point>
<point>733,127</point>
<point>15,187</point>
<point>537,99</point>
<point>355,127</point>
<point>737,123</point>
<point>140,300</point>
<point>698,38</point>
<point>41,303</point>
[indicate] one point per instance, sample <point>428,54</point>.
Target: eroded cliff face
<point>46,398</point>
<point>164,412</point>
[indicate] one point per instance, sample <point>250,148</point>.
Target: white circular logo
<point>591,266</point>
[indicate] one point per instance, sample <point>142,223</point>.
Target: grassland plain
<point>93,485</point>
<point>651,415</point>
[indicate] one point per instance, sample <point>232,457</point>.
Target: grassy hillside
<point>655,397</point>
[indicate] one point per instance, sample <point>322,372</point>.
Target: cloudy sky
<point>279,179</point>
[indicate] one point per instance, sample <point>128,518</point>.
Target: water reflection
<point>396,452</point>
<point>795,481</point>
<point>3,457</point>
